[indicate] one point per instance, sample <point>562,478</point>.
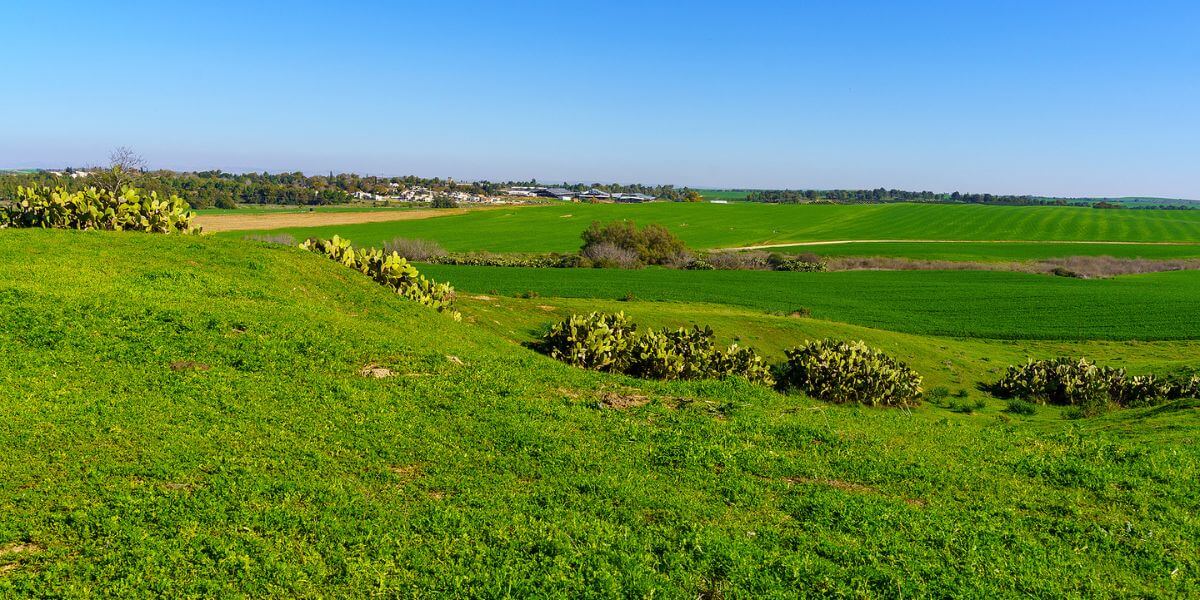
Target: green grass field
<point>1158,306</point>
<point>185,416</point>
<point>556,228</point>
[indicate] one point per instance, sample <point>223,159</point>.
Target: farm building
<point>633,198</point>
<point>555,192</point>
<point>595,194</point>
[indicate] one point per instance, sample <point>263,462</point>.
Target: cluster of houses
<point>423,194</point>
<point>592,195</point>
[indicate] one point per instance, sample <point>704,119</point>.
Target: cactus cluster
<point>843,371</point>
<point>390,270</point>
<point>1080,382</point>
<point>94,208</point>
<point>598,341</point>
<point>611,342</point>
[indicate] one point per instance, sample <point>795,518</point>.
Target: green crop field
<point>185,416</point>
<point>1158,306</point>
<point>556,228</point>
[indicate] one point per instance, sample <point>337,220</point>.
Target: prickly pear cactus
<point>390,270</point>
<point>841,371</point>
<point>93,208</point>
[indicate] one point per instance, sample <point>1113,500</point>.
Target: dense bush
<point>597,341</point>
<point>413,249</point>
<point>1187,388</point>
<point>94,208</point>
<point>807,263</point>
<point>606,255</point>
<point>653,244</point>
<point>729,260</point>
<point>839,371</point>
<point>691,354</point>
<point>391,270</point>
<point>608,342</point>
<point>1063,381</point>
<point>1082,383</point>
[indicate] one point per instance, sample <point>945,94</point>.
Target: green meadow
<point>186,417</point>
<point>556,228</point>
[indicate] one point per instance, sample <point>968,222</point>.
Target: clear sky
<point>1048,97</point>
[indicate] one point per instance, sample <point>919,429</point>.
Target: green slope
<point>185,417</point>
<point>703,225</point>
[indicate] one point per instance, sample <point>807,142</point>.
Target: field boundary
<point>840,242</point>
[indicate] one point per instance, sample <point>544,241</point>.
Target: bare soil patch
<point>375,371</point>
<point>623,401</point>
<point>256,221</point>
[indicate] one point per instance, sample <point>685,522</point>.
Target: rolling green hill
<point>557,227</point>
<point>185,416</point>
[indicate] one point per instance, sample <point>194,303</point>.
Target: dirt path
<point>236,222</point>
<point>837,242</point>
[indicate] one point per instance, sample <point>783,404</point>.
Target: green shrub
<point>1080,383</point>
<point>1018,406</point>
<point>597,341</point>
<point>1140,390</point>
<point>805,263</point>
<point>540,261</point>
<point>938,393</point>
<point>840,371</point>
<point>736,361</point>
<point>653,244</point>
<point>391,270</point>
<point>95,208</point>
<point>1188,387</point>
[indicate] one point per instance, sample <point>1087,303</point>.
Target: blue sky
<point>1055,98</point>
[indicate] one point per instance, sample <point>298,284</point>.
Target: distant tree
<point>443,201</point>
<point>692,196</point>
<point>124,166</point>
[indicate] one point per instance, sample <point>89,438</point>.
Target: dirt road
<point>256,221</point>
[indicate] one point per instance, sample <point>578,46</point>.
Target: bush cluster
<point>541,261</point>
<point>611,342</point>
<point>96,208</point>
<point>415,249</point>
<point>391,270</point>
<point>653,244</point>
<point>842,371</point>
<point>730,260</point>
<point>1082,383</point>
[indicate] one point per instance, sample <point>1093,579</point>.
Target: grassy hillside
<point>1158,306</point>
<point>186,417</point>
<point>703,225</point>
